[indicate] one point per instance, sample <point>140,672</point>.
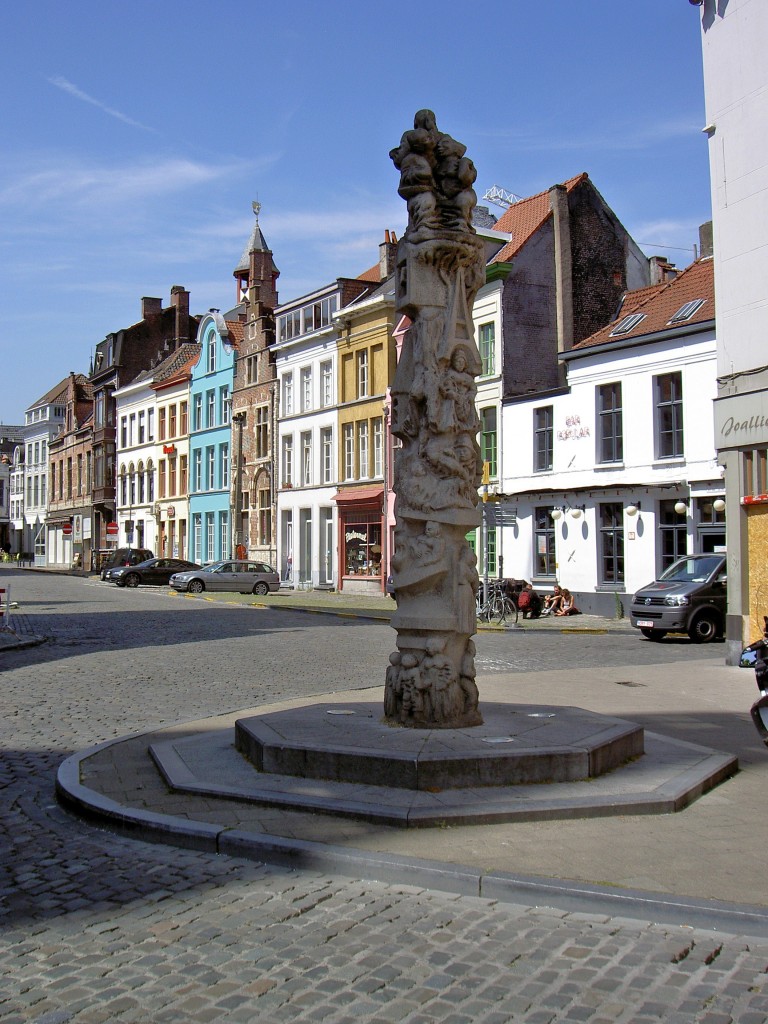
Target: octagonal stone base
<point>517,744</point>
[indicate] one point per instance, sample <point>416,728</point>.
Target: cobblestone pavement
<point>100,928</point>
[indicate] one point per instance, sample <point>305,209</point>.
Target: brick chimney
<point>151,307</point>
<point>387,255</point>
<point>180,302</point>
<point>558,203</point>
<point>661,269</point>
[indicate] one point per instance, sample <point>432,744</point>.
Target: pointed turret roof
<point>256,243</point>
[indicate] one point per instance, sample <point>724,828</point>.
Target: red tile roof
<point>659,303</point>
<point>236,330</point>
<point>524,218</point>
<point>372,274</point>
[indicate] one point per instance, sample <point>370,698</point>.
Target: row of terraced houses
<point>263,431</point>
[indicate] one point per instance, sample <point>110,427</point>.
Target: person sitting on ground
<point>567,604</point>
<point>552,601</point>
<point>529,602</point>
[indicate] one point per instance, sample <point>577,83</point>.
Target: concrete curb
<point>295,854</point>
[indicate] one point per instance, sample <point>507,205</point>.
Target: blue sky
<point>133,138</point>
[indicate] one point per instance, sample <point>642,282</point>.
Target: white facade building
<point>135,415</point>
<point>42,422</point>
<point>307,453</point>
<point>615,476</point>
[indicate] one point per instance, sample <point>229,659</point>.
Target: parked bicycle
<point>499,605</point>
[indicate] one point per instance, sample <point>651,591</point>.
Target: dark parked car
<point>124,556</point>
<point>154,572</point>
<point>235,576</point>
<point>689,597</point>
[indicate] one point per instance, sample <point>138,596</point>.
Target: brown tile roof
<point>236,330</point>
<point>658,304</point>
<point>524,218</point>
<point>372,274</point>
<point>57,393</point>
<point>178,363</point>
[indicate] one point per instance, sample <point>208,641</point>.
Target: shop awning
<point>358,495</point>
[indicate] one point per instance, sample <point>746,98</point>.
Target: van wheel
<point>704,629</point>
<point>654,634</point>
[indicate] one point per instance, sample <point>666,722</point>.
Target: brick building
<point>118,361</point>
<point>68,521</point>
<point>254,403</point>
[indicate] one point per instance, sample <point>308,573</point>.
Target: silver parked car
<point>235,576</point>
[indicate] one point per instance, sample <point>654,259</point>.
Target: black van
<point>689,597</point>
<point>124,556</point>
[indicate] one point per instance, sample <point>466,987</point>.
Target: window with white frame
<point>210,420</point>
<point>197,470</point>
<point>306,458</point>
<point>326,383</point>
<point>326,445</point>
<point>306,388</point>
<point>210,532</point>
<point>210,461</point>
<point>224,460</point>
<point>349,451</point>
<point>224,533</point>
<point>211,353</point>
<point>363,383</point>
<point>197,536</point>
<point>197,418</point>
<point>378,447</point>
<point>226,405</point>
<point>287,390</point>
<point>287,459</point>
<point>362,448</point>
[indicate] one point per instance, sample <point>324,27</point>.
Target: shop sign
<point>573,431</point>
<point>355,535</point>
<point>170,512</point>
<point>169,449</point>
<point>741,420</point>
<point>77,523</point>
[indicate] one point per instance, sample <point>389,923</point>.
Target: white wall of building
<point>578,480</point>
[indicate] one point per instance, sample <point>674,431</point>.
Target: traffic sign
<point>112,529</point>
<point>67,529</point>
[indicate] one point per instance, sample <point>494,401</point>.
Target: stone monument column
<point>440,266</point>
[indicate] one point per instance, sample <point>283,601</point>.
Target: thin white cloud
<point>69,87</point>
<point>71,182</point>
<point>611,139</point>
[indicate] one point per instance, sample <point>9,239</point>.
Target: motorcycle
<point>756,656</point>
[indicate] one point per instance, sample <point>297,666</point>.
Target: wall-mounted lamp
<point>633,508</point>
<point>681,508</point>
<point>576,511</point>
<point>718,505</point>
<point>556,513</point>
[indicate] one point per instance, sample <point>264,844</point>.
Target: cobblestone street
<point>97,927</point>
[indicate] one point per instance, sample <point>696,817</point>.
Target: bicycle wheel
<point>498,609</point>
<point>511,611</point>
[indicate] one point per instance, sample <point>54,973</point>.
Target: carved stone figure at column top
<point>437,469</point>
<point>436,179</point>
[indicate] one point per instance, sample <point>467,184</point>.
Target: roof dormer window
<point>686,311</point>
<point>627,324</point>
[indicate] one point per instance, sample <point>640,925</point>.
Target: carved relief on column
<point>431,677</point>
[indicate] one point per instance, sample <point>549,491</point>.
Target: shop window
<point>362,545</point>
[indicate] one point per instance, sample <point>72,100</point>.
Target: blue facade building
<point>210,522</point>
